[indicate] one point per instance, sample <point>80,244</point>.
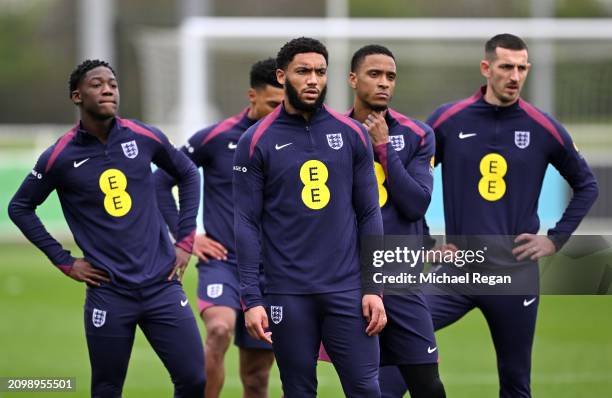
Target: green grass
<point>41,334</point>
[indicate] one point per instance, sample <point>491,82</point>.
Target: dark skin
<point>97,96</point>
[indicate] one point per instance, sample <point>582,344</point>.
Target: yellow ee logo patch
<point>314,175</point>
<point>380,179</point>
<point>117,201</point>
<point>493,168</point>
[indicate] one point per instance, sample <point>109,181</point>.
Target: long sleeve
<point>22,210</point>
<point>182,169</point>
<point>574,168</point>
<point>410,186</point>
<point>165,201</point>
<point>367,210</point>
<point>248,204</point>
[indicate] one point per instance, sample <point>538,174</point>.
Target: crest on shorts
<point>521,139</point>
<point>335,141</point>
<point>397,142</point>
<point>130,149</point>
<point>98,317</point>
<point>214,290</point>
<point>276,313</point>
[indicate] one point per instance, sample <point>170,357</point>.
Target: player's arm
<point>370,226</point>
<point>575,170</point>
<point>22,210</point>
<point>410,186</point>
<point>177,165</point>
<point>438,135</point>
<point>164,182</point>
<point>248,204</point>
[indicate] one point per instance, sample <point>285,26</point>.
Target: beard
<point>297,103</point>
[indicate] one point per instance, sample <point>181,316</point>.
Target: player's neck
<point>491,99</point>
<point>361,111</point>
<point>290,109</point>
<point>97,128</point>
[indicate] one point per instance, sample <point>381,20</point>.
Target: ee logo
<point>117,202</point>
<point>314,175</point>
<point>380,179</point>
<point>493,168</point>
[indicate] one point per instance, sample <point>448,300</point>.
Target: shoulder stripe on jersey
<point>224,126</point>
<point>61,144</point>
<point>137,129</point>
<point>348,121</point>
<point>459,106</point>
<point>541,119</point>
<point>263,126</point>
<point>407,122</point>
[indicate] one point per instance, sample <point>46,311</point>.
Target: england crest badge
<point>397,142</point>
<point>98,317</point>
<point>276,313</point>
<point>130,149</point>
<point>521,139</point>
<point>335,141</point>
<point>214,290</point>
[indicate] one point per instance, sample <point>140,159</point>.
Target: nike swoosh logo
<point>232,145</point>
<point>184,302</point>
<point>462,135</point>
<point>77,164</point>
<point>527,303</point>
<point>431,350</point>
<point>279,147</point>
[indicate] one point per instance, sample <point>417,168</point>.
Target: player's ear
<point>280,76</point>
<point>251,95</point>
<point>75,96</point>
<point>353,80</point>
<point>485,68</point>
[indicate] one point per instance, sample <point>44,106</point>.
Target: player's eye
<point>321,72</point>
<point>373,73</point>
<point>391,76</point>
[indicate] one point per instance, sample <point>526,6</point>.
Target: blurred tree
<point>37,49</point>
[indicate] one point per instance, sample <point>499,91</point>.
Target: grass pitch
<point>41,335</point>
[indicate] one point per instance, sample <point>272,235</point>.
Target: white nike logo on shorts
<point>527,303</point>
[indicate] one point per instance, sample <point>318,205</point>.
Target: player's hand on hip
<point>377,128</point>
<point>256,322</point>
<point>182,260</point>
<point>83,271</point>
<point>206,248</point>
<point>533,247</point>
<point>374,313</point>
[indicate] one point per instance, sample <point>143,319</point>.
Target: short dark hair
<point>82,69</point>
<point>299,46</point>
<point>370,49</point>
<point>504,40</point>
<point>263,73</point>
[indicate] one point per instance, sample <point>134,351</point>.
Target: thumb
<point>366,310</point>
<point>264,321</point>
